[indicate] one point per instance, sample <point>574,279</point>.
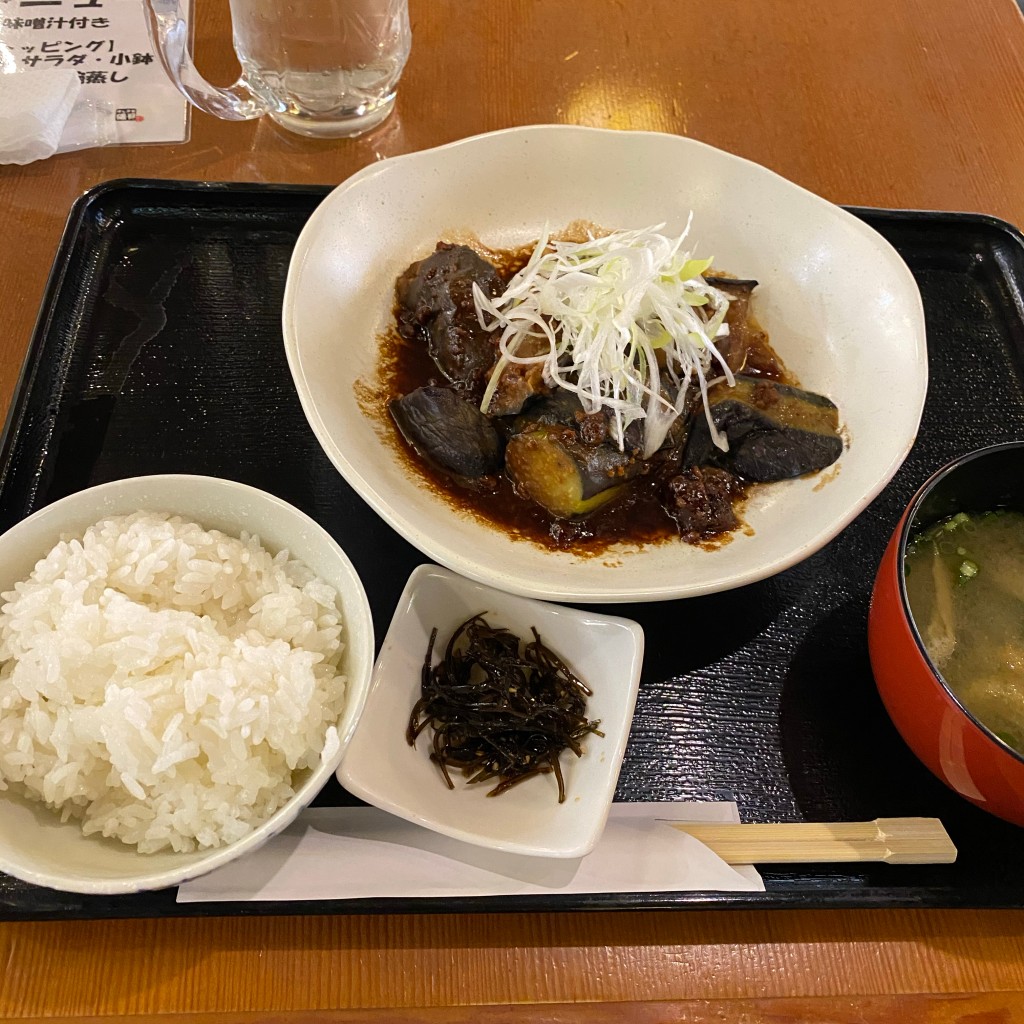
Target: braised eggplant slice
<point>737,288</point>
<point>564,407</point>
<point>550,465</point>
<point>435,303</point>
<point>449,431</point>
<point>519,383</point>
<point>745,349</point>
<point>775,431</point>
<point>561,407</point>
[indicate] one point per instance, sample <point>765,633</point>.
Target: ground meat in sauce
<point>764,396</point>
<point>700,500</point>
<point>593,427</point>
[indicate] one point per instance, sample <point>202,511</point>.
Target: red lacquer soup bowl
<point>958,748</point>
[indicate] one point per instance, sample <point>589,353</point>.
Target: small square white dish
<point>380,767</point>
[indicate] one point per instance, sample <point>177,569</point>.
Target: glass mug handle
<point>168,31</point>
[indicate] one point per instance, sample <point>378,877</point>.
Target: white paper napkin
<point>338,853</point>
<point>34,109</point>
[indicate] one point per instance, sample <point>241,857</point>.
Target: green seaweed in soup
<point>965,586</point>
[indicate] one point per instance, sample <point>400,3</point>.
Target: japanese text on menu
<point>106,43</point>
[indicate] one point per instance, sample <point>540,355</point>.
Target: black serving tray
<point>158,350</point>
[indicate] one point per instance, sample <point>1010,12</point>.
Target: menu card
<point>342,853</point>
<point>126,97</point>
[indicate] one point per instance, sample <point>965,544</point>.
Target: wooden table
<point>905,103</point>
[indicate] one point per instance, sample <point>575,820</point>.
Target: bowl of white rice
<point>183,660</point>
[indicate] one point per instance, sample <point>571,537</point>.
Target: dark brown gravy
<point>636,517</point>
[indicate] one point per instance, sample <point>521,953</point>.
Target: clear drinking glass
<point>325,68</point>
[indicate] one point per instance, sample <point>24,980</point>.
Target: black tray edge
<point>988,220</point>
<point>805,899</point>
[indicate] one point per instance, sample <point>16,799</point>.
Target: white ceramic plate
<point>34,844</point>
<point>841,308</point>
<point>380,767</point>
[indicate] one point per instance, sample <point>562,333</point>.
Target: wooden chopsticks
<point>893,840</point>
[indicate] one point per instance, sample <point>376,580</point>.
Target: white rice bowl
<point>167,688</point>
<point>162,682</point>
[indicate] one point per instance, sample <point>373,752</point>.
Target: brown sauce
<point>635,517</point>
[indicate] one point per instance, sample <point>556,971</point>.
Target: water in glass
<point>324,68</point>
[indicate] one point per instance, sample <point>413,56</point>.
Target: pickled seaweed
<point>500,708</point>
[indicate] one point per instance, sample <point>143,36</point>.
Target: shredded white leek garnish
<point>606,307</point>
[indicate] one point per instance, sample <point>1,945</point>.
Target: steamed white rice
<point>162,682</point>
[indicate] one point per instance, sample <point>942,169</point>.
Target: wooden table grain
<point>905,103</point>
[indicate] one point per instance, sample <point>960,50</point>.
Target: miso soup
<point>965,585</point>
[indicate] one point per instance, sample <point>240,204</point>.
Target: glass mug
<point>324,68</point>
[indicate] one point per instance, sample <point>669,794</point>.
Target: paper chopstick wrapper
<point>343,853</point>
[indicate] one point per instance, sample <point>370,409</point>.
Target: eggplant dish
<point>582,394</point>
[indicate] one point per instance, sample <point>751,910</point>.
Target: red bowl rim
<point>901,549</point>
